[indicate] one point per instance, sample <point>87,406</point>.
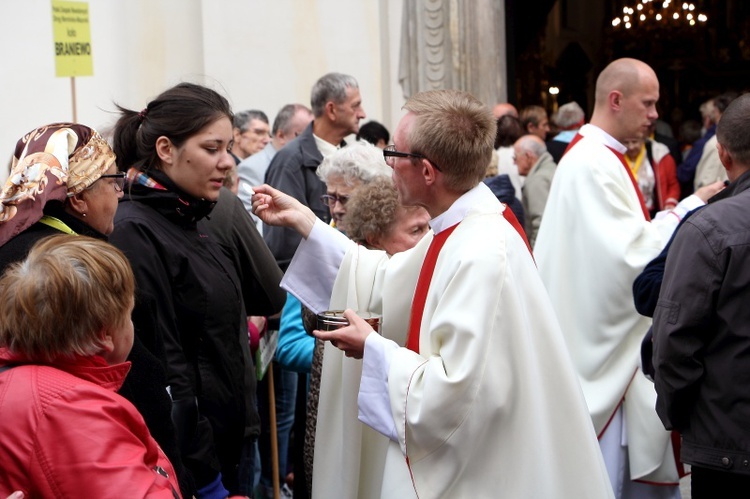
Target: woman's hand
<point>274,207</point>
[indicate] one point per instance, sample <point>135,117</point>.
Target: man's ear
<point>615,99</point>
<point>330,110</point>
<point>725,157</point>
<point>164,149</point>
<point>429,172</point>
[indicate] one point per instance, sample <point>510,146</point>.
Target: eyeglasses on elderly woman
<point>330,200</point>
<point>118,180</point>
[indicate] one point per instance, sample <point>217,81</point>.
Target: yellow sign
<point>70,22</point>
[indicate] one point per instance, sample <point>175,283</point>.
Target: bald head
<point>624,75</point>
<point>626,95</point>
<point>504,108</point>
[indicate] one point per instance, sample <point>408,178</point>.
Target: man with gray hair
<point>290,121</point>
<point>337,109</point>
<point>536,165</point>
<point>250,129</point>
<point>569,118</point>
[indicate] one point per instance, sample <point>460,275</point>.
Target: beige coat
<point>535,191</point>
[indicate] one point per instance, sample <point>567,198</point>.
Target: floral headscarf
<point>51,162</point>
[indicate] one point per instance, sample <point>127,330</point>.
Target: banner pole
<point>73,97</point>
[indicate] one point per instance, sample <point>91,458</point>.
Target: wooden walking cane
<point>274,442</point>
<point>264,367</point>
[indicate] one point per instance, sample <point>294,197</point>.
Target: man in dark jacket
<point>337,109</point>
<point>702,326</point>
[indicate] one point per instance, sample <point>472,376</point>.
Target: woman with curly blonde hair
<point>377,219</point>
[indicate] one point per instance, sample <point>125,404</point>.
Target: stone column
<point>456,44</point>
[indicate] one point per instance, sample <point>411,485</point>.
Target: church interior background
<point>566,43</point>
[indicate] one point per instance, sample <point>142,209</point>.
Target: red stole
<point>510,217</point>
<point>423,285</point>
<point>620,156</point>
<point>428,268</point>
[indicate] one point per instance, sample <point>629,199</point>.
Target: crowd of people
<point>513,261</point>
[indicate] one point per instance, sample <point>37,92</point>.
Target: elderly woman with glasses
<point>344,171</point>
<point>63,179</point>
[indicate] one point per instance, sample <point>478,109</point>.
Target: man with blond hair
<point>535,121</point>
<point>468,393</point>
<point>595,238</point>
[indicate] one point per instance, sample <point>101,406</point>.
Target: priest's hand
<point>351,338</point>
<point>708,191</point>
<point>274,207</point>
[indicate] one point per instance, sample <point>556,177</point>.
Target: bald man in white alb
<point>596,236</point>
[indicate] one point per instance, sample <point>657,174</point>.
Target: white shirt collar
<point>460,208</point>
<point>597,133</point>
<point>325,147</point>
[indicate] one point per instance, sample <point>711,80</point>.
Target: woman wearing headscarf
<point>189,310</point>
<point>65,332</point>
<point>63,178</point>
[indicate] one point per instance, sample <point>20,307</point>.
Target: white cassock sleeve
<point>667,221</point>
<point>374,400</point>
<point>316,263</point>
<point>324,251</point>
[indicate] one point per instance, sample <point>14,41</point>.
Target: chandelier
<point>650,14</point>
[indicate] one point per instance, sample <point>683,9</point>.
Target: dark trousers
<point>298,444</point>
<point>712,484</point>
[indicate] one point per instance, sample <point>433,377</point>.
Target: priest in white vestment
<point>469,383</point>
<point>595,238</point>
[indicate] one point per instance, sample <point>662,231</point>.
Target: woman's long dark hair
<point>178,113</point>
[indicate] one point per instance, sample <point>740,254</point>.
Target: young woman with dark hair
<point>189,312</point>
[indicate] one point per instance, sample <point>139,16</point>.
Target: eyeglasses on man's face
<point>331,199</point>
<point>118,180</point>
<point>390,154</point>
